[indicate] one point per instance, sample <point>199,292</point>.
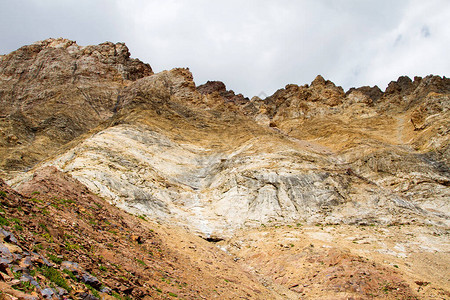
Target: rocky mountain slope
<point>64,242</point>
<point>233,170</point>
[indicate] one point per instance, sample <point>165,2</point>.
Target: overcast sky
<point>252,46</point>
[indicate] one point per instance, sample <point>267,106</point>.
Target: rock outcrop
<point>53,91</point>
<point>220,88</point>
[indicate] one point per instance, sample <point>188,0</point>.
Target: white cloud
<point>417,45</point>
<point>252,46</point>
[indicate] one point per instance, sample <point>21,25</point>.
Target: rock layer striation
<point>214,161</point>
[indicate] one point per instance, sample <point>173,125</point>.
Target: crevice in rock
<point>213,239</point>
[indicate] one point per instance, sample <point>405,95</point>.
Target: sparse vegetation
<point>251,183</point>
<point>47,237</point>
<point>142,217</point>
<point>16,274</point>
<point>16,220</point>
<point>4,221</point>
<point>93,291</point>
<point>44,227</point>
<point>164,279</point>
<point>68,236</point>
<point>70,246</point>
<point>24,286</point>
<point>386,288</point>
<point>36,200</point>
<point>55,276</point>
<point>55,259</point>
<point>38,247</point>
<point>71,275</point>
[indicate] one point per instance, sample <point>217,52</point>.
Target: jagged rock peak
<point>105,49</point>
<point>403,84</point>
<point>56,43</point>
<point>319,80</point>
<point>219,87</point>
<point>370,94</point>
<point>432,83</point>
<point>211,87</point>
<point>68,59</point>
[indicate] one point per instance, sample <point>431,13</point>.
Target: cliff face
<point>304,154</point>
<point>53,91</point>
<point>217,163</point>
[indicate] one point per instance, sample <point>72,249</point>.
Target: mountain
<point>281,184</point>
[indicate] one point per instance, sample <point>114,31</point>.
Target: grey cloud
<point>252,46</point>
<point>26,21</point>
<point>425,31</point>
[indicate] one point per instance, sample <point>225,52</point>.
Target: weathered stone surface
<point>91,280</point>
<point>71,266</point>
<point>53,91</point>
<point>5,253</point>
<point>175,153</point>
<point>7,236</point>
<point>366,94</point>
<point>47,293</point>
<point>220,88</point>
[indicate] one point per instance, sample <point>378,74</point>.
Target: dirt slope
<point>61,220</point>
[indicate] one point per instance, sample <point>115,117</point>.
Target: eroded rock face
<point>54,90</point>
<point>220,88</point>
<point>214,162</point>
